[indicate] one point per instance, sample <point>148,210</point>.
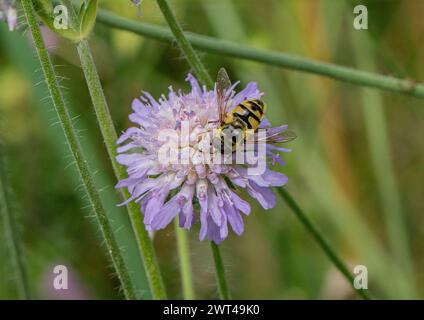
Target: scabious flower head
<point>188,183</point>
<point>8,13</point>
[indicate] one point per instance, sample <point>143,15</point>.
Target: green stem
<point>110,136</point>
<point>224,292</point>
<point>185,46</point>
<point>75,148</point>
<point>200,71</point>
<point>321,240</point>
<point>284,60</point>
<point>184,257</point>
<point>11,233</point>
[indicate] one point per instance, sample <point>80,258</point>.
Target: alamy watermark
<point>60,281</point>
<point>61,17</point>
<point>360,22</point>
<point>361,279</point>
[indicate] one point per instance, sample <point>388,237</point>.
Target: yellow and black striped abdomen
<point>247,115</point>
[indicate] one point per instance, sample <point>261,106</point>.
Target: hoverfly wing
<point>287,136</point>
<point>279,137</point>
<point>223,83</point>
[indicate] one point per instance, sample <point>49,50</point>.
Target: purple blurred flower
<point>8,13</point>
<point>167,189</point>
<point>138,4</point>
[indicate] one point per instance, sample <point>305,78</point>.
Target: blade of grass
<point>379,149</point>
<point>77,154</point>
<point>110,137</point>
<point>184,258</point>
<point>11,233</point>
<point>201,72</point>
<point>284,60</point>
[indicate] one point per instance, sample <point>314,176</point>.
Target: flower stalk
<point>201,72</point>
<point>109,135</point>
<point>321,240</point>
<point>204,77</point>
<point>279,59</point>
<point>184,259</point>
<point>76,151</point>
<point>224,292</point>
<point>11,233</point>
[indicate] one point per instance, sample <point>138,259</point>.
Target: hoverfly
<point>247,115</point>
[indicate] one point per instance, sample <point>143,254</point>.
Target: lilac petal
<point>274,178</point>
<point>271,147</point>
<point>166,214</point>
<point>214,209</point>
<point>142,121</point>
<point>138,106</point>
<point>188,211</point>
<point>250,92</point>
<point>213,232</point>
<point>152,100</point>
<point>275,158</point>
<point>269,179</point>
<point>236,221</point>
<point>137,189</point>
<point>264,123</point>
<point>194,84</point>
<point>223,229</point>
<point>127,134</point>
<point>154,204</point>
<point>263,195</point>
<point>239,203</point>
<point>127,147</point>
<point>126,182</point>
<point>203,224</point>
<point>130,159</point>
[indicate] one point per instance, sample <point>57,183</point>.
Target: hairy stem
<point>110,137</point>
<point>109,134</point>
<point>11,233</point>
<point>284,60</point>
<point>76,151</point>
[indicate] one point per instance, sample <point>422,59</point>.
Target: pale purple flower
<point>138,4</point>
<point>8,13</point>
<point>196,188</point>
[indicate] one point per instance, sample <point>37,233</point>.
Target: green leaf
<point>87,17</point>
<point>43,6</point>
<point>44,9</point>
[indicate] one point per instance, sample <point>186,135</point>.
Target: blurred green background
<point>356,167</point>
